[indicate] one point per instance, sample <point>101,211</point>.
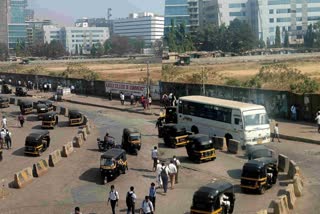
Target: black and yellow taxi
<point>174,135</point>
<point>112,163</point>
<point>37,142</point>
<point>259,174</point>
<point>26,107</point>
<point>6,89</point>
<point>200,148</point>
<point>21,91</point>
<point>258,151</point>
<point>50,120</point>
<point>4,102</point>
<point>131,140</point>
<point>43,107</point>
<point>214,198</point>
<point>75,118</point>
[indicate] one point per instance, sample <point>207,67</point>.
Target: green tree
<point>286,39</point>
<point>21,48</point>
<point>81,50</point>
<point>309,37</point>
<point>316,28</point>
<point>93,51</point>
<point>100,49</point>
<point>277,42</point>
<point>172,38</point>
<point>3,52</point>
<point>107,46</point>
<point>136,45</point>
<point>77,50</point>
<point>262,44</point>
<point>268,43</point>
<point>55,49</point>
<point>157,47</point>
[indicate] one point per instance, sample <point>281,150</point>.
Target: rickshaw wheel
<point>262,190</point>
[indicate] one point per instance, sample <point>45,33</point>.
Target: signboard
<point>126,88</point>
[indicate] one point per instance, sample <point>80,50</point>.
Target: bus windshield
<point>256,119</point>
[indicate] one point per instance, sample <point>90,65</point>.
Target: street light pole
<point>148,81</point>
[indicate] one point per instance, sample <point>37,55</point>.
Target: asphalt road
<point>76,180</point>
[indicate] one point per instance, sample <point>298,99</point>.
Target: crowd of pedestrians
<point>5,135</point>
<point>145,101</point>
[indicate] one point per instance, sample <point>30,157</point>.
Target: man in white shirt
<point>293,112</point>
<point>276,133</point>
<point>224,201</point>
<point>318,121</point>
<point>2,136</point>
<point>131,200</point>
<point>154,156</point>
<point>4,122</point>
<point>164,177</point>
<point>147,206</point>
<point>113,198</point>
<point>158,171</point>
<point>172,173</point>
<point>122,98</point>
<point>177,164</point>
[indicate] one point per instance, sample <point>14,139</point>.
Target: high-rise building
<point>17,28</point>
<point>35,30</point>
<point>76,38</point>
<point>264,16</point>
<point>176,11</point>
<point>29,14</point>
<point>3,21</point>
<point>147,26</point>
<point>96,22</point>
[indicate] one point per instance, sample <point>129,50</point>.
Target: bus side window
<point>237,121</point>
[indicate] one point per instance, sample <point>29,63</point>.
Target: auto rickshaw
<point>7,89</point>
<point>174,135</point>
<point>112,163</point>
<point>208,199</point>
<point>50,120</point>
<point>131,140</point>
<point>169,116</point>
<point>258,151</point>
<point>4,102</point>
<point>48,103</point>
<point>200,148</point>
<point>42,109</point>
<point>259,174</point>
<point>37,142</point>
<point>21,91</point>
<point>75,118</point>
<point>26,107</point>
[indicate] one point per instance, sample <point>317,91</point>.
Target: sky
<point>65,12</point>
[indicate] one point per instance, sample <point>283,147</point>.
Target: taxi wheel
<point>213,159</point>
<point>105,180</point>
<point>262,190</point>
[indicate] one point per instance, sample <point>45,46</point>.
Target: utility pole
<point>108,19</point>
<point>203,82</point>
<point>148,81</point>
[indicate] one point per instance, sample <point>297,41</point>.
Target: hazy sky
<point>66,11</point>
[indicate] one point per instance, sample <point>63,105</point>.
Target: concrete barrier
<point>67,149</point>
<point>219,143</point>
<point>290,196</point>
<point>40,168</point>
<point>88,129</point>
<point>78,140</point>
<point>12,100</point>
<point>85,120</point>
<point>83,132</point>
<point>280,206</point>
<point>233,146</point>
<point>66,113</point>
<point>23,177</point>
<point>283,163</point>
<point>292,169</point>
<point>297,185</point>
<point>54,158</point>
<point>262,212</point>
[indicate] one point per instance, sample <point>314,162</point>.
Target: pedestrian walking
<point>158,174</point>
<point>146,206</point>
<point>153,194</point>
<point>170,97</point>
<point>8,139</point>
<point>131,200</point>
<point>122,98</point>
<point>76,211</point>
<point>164,177</point>
<point>2,137</point>
<point>113,199</point>
<point>318,121</point>
<point>21,120</point>
<point>177,164</point>
<point>276,133</point>
<point>154,156</point>
<point>4,122</point>
<point>172,173</point>
<point>293,110</point>
<point>150,100</point>
<point>132,99</point>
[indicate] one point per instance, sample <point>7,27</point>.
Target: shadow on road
<point>91,175</point>
<point>32,118</point>
<point>37,127</point>
<point>63,124</point>
<point>234,173</point>
<point>141,170</point>
<point>149,176</point>
<point>19,152</point>
<point>94,150</point>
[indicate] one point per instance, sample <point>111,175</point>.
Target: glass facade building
<point>17,28</point>
<point>176,11</point>
<point>3,21</point>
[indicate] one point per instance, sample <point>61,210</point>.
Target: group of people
<point>168,100</point>
<point>147,205</point>
<point>144,101</point>
<point>5,135</point>
<point>165,172</point>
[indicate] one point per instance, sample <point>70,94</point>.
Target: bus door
<point>237,124</point>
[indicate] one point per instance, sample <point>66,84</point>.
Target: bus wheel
<point>228,137</point>
<point>195,129</point>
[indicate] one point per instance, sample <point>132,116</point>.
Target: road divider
<point>40,168</point>
<point>290,196</point>
<point>22,178</point>
<point>67,149</point>
<point>54,158</point>
<point>283,163</point>
<point>297,185</point>
<point>280,205</point>
<point>293,169</point>
<point>219,143</point>
<point>233,146</point>
<point>83,132</point>
<point>78,140</point>
<point>262,212</point>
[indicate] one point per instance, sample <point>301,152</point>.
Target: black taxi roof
<point>46,102</point>
<point>259,162</point>
<point>113,153</point>
<point>214,188</point>
<point>74,112</point>
<point>174,126</point>
<point>252,148</point>
<point>41,105</point>
<point>26,102</point>
<point>49,115</point>
<point>199,137</point>
<point>131,130</point>
<point>35,135</point>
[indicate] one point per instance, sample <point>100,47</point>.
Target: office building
<point>95,22</point>
<point>147,26</point>
<point>264,16</point>
<point>76,38</point>
<point>4,21</point>
<point>176,11</point>
<point>35,33</point>
<point>17,28</point>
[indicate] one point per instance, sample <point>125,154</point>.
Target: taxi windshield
<point>106,162</point>
<point>134,137</point>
